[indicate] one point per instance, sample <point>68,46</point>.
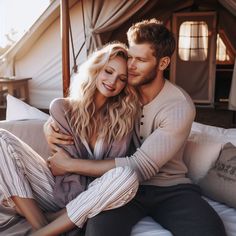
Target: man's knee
<point>115,222</point>
<point>96,226</point>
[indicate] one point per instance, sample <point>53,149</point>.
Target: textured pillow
<point>19,110</point>
<point>31,132</point>
<point>207,133</point>
<point>199,157</point>
<point>220,181</point>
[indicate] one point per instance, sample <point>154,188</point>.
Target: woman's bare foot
<point>60,225</point>
<point>19,212</point>
<point>31,211</point>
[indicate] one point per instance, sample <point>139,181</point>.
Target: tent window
<point>223,54</point>
<point>193,41</point>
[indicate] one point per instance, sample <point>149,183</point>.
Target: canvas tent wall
<point>104,21</point>
<point>38,54</point>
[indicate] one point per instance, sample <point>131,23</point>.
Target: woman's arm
<point>61,163</point>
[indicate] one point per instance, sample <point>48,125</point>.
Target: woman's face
<point>113,77</point>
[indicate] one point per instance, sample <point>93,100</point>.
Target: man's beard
<point>148,79</point>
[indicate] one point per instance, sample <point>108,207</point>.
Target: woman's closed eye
<point>110,72</point>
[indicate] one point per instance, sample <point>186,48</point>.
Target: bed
<point>203,139</point>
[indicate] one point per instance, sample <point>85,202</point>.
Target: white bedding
<point>148,227</point>
<point>26,130</point>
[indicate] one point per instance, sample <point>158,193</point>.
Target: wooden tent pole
<point>64,12</point>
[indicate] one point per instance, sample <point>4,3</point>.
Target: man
<point>165,193</point>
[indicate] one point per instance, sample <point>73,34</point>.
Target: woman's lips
<point>108,87</point>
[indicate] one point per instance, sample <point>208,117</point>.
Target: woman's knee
<point>123,172</point>
<point>4,134</point>
<point>7,137</point>
<point>125,176</point>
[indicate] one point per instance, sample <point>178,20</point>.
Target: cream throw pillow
<point>19,110</point>
<point>199,157</point>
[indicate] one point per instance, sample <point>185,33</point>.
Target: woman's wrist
<point>73,165</point>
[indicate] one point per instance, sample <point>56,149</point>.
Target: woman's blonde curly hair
<point>116,119</point>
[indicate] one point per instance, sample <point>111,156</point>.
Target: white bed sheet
<point>148,227</point>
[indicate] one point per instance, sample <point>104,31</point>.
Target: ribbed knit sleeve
<point>168,137</point>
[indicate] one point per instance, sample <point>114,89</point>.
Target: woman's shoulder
<point>58,106</point>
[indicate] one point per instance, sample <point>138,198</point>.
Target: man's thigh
<point>115,222</point>
<point>185,213</point>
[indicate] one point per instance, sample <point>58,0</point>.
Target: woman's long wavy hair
<point>116,118</point>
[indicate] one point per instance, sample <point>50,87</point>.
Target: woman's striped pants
<point>25,174</point>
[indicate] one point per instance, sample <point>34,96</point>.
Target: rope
<point>75,67</point>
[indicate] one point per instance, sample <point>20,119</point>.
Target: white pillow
<point>19,110</point>
<point>209,133</point>
<point>199,157</point>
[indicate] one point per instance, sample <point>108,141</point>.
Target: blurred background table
<point>17,87</point>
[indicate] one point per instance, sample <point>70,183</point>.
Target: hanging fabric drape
<point>106,15</point>
<point>230,5</point>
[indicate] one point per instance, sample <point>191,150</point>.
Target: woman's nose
<point>113,79</point>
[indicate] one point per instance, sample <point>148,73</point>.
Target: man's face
<point>142,64</point>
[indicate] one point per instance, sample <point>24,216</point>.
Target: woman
<point>99,114</point>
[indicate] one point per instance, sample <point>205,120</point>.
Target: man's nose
<point>132,64</point>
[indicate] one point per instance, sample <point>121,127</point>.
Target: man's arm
<point>163,143</point>
<point>53,136</point>
<point>157,149</point>
<point>62,163</point>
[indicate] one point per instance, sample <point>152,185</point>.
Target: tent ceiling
<point>161,9</point>
<point>164,9</point>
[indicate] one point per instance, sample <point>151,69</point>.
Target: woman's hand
<point>59,162</point>
<point>53,135</point>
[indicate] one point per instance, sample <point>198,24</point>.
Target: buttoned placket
<point>141,124</point>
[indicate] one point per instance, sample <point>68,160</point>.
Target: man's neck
<point>149,91</point>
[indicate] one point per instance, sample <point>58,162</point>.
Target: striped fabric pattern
<point>25,174</point>
<point>114,189</point>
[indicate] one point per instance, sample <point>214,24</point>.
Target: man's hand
<point>53,135</point>
<point>59,162</point>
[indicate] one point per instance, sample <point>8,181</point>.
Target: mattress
<point>148,227</point>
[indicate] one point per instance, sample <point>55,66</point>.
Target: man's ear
<point>163,63</point>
